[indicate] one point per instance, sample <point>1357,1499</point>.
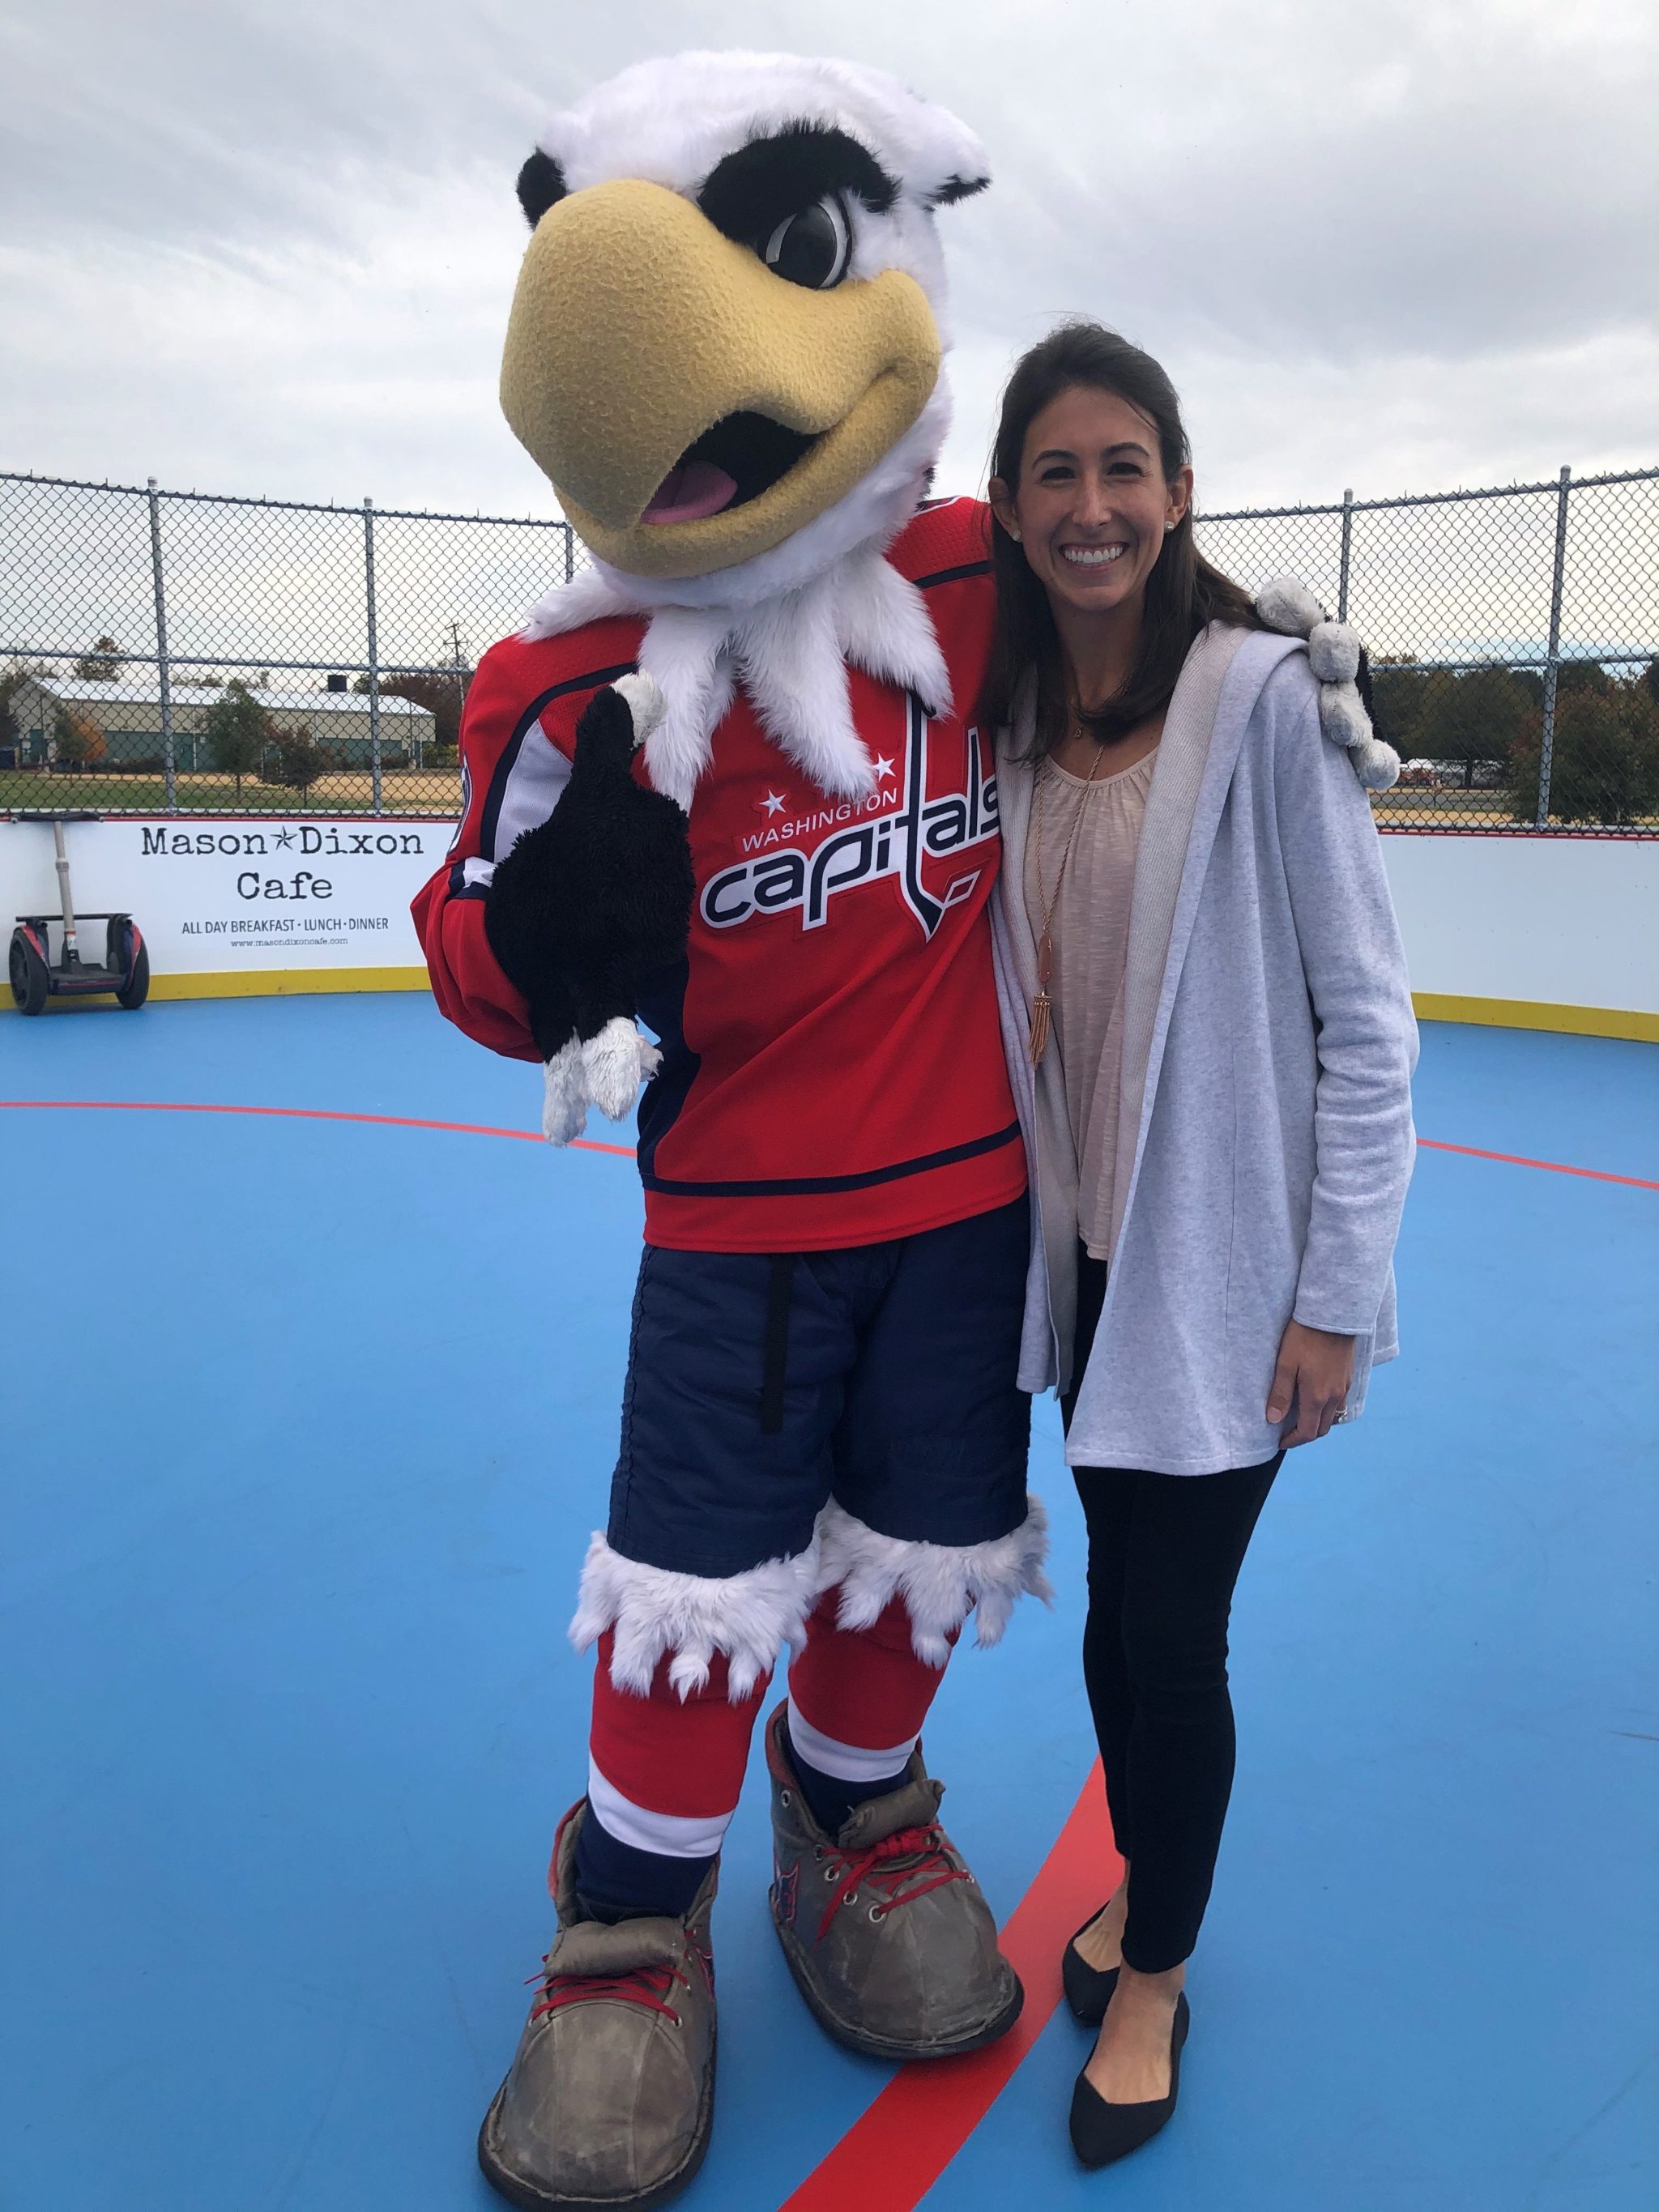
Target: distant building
<point>128,716</point>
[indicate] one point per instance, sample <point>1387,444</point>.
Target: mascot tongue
<point>689,492</point>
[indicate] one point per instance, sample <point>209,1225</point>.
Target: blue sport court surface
<point>305,1423</point>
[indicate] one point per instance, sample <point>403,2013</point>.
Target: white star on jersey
<point>883,767</point>
<point>773,803</point>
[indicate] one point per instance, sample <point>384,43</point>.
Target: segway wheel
<point>134,993</point>
<point>30,984</point>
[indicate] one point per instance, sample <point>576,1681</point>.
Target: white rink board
<point>216,895</point>
<point>1558,920</point>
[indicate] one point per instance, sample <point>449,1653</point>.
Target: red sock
<point>664,1773</point>
<point>858,1697</point>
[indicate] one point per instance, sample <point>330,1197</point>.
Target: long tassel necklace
<point>1042,1005</point>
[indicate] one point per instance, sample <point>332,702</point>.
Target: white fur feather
<point>656,1613</point>
<point>940,1583</point>
<point>642,696</point>
<point>614,1064</point>
<point>883,626</point>
<point>564,1096</point>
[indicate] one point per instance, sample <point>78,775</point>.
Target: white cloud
<point>269,248</point>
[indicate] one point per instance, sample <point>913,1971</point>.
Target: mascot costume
<point>725,781</point>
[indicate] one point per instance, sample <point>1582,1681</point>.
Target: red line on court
<point>1551,1167</point>
<point>626,1151</point>
<point>307,1113</point>
<point>898,2147</point>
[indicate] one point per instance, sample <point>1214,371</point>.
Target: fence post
<point>460,681</point>
<point>569,552</point>
<point>1546,748</point>
<point>163,671</point>
<point>1347,547</point>
<point>373,656</point>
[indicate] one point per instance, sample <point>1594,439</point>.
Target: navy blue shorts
<point>760,1388</point>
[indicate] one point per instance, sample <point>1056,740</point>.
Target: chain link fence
<point>1514,638</point>
<point>182,652</point>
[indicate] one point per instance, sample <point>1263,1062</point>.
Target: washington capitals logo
<point>784,1882</point>
<point>791,879</point>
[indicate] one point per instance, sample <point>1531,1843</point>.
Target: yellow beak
<point>636,326</point>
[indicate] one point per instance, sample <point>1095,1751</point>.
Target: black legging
<point>1164,1553</point>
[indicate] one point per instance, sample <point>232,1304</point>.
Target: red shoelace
<point>645,1985</point>
<point>921,1849</point>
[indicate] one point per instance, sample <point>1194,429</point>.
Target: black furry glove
<point>587,902</point>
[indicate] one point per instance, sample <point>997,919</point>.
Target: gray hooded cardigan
<point>1265,1138</point>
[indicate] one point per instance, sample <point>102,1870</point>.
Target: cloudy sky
<point>269,248</point>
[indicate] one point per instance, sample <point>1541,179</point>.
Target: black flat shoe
<point>1103,2132</point>
<point>1088,1988</point>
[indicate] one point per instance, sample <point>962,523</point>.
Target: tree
<point>1474,719</point>
<point>1651,677</point>
<point>441,695</point>
<point>1397,702</point>
<point>1604,757</point>
<point>11,681</point>
<point>299,759</point>
<point>1582,676</point>
<point>102,665</point>
<point>77,740</point>
<point>237,729</point>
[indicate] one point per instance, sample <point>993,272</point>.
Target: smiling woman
<point>1109,487</point>
<point>1206,1014</point>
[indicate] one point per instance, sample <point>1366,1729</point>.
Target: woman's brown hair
<point>1183,591</point>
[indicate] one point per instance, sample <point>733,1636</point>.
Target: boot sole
<point>881,2046</point>
<point>530,2198</point>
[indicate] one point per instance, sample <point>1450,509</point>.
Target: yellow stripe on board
<point>256,983</point>
<point>1533,1014</point>
<point>1432,1005</point>
<point>286,982</point>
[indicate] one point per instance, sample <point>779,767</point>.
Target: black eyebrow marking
<point>541,184</point>
<point>751,191</point>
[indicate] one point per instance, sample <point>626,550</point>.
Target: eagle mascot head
<point>726,353</point>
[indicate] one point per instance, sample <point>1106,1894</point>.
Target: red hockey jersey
<point>832,1069</point>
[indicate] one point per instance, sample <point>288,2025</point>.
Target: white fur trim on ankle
<point>657,1613</point>
<point>940,1583</point>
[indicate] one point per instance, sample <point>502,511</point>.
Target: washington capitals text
<point>792,880</point>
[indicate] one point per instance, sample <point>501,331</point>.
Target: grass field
<point>437,791</point>
<point>402,791</point>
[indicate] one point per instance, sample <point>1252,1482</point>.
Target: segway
<point>35,976</point>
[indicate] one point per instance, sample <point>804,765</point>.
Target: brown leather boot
<point>885,1929</point>
<point>610,2096</point>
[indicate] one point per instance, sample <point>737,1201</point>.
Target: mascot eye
<point>812,248</point>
